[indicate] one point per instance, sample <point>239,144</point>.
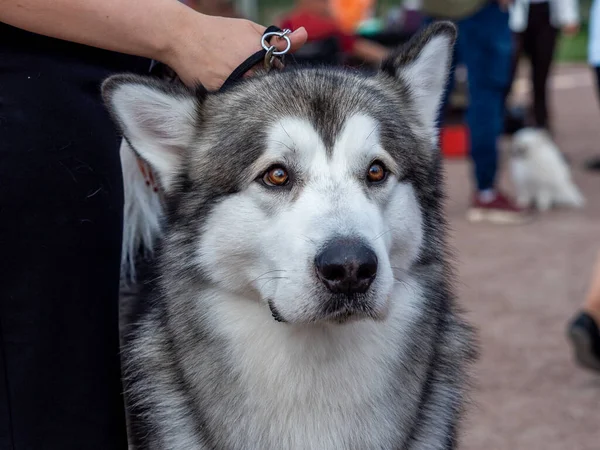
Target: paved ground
<point>521,286</point>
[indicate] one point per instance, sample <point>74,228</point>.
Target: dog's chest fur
<point>333,387</point>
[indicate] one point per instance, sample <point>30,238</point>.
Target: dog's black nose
<point>346,267</point>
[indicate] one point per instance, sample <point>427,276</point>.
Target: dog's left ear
<point>157,118</point>
<point>422,66</point>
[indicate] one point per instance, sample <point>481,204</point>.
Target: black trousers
<point>597,75</point>
<point>60,240</point>
<point>538,42</point>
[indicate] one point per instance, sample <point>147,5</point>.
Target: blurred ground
<point>521,286</point>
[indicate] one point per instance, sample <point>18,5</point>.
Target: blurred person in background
<point>317,18</point>
<point>485,46</point>
<point>536,25</point>
<point>594,61</point>
<point>584,330</point>
<point>61,200</point>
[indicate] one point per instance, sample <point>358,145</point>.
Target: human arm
<point>568,14</point>
<point>198,47</point>
<point>369,51</point>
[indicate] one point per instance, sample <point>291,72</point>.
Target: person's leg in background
<point>593,164</point>
<point>514,115</point>
<point>61,215</point>
<point>543,42</point>
<point>486,47</point>
<point>583,330</point>
<point>594,61</point>
<point>517,53</point>
<point>592,302</point>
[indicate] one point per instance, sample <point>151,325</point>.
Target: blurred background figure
<point>329,41</point>
<point>350,13</point>
<point>583,331</point>
<point>536,25</point>
<point>485,46</point>
<point>594,61</point>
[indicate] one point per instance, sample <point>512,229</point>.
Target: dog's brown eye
<point>276,176</point>
<point>376,172</point>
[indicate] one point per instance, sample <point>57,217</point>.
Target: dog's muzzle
<point>346,267</point>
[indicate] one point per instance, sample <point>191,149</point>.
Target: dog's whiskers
<point>267,273</point>
<point>271,279</point>
<point>369,135</point>
<point>285,131</point>
<point>382,234</point>
<point>404,282</point>
<point>291,149</point>
<point>307,239</point>
<point>411,286</point>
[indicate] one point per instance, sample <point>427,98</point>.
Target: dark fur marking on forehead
<point>327,98</point>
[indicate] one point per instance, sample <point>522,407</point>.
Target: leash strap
<point>267,54</point>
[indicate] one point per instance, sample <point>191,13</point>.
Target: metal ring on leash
<point>282,35</point>
<point>269,58</point>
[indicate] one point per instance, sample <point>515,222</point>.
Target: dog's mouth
<point>342,315</point>
<point>348,315</point>
<point>350,308</point>
<point>353,313</point>
<point>275,312</point>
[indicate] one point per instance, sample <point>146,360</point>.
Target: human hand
<point>208,49</point>
<point>570,30</point>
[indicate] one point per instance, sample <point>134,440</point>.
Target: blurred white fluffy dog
<point>541,177</point>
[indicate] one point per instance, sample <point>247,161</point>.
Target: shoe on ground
<point>500,211</point>
<point>593,164</point>
<point>585,338</point>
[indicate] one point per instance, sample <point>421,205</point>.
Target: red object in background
<point>318,28</point>
<point>349,13</point>
<point>454,140</point>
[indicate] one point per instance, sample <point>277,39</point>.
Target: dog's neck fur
<point>318,381</point>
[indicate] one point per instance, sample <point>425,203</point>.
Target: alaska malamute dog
<point>303,297</point>
<point>540,174</point>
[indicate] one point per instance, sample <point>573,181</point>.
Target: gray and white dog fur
<point>239,345</point>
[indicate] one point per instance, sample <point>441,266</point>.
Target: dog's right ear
<point>157,119</point>
<point>422,66</point>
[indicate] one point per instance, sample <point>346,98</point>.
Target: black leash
<point>268,55</point>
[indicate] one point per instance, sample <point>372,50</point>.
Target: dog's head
<point>527,140</point>
<point>301,189</point>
